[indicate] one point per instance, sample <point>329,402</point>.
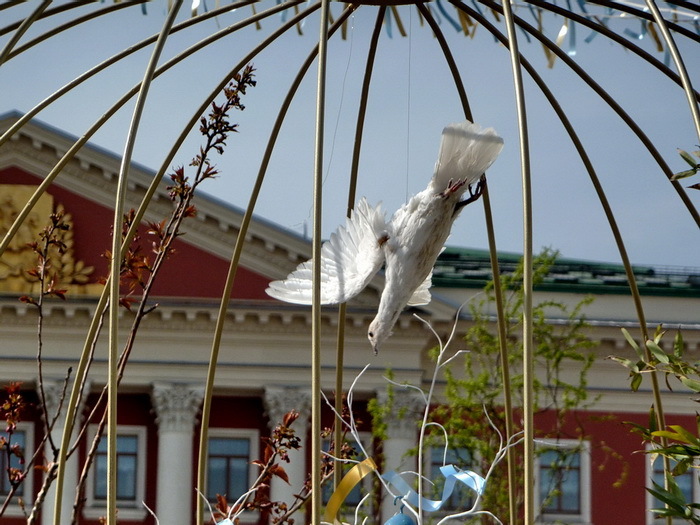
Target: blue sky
<point>412,97</point>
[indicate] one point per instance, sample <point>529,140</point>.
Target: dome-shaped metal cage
<point>369,81</point>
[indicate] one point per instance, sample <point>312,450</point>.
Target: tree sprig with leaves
<point>477,385</point>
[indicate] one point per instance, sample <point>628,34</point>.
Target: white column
<point>176,406</point>
<point>53,390</point>
<point>402,434</point>
<point>279,401</point>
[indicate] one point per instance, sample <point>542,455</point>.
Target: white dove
<point>408,244</point>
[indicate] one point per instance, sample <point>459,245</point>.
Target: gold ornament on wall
<point>20,257</point>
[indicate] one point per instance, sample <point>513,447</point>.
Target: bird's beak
<point>375,348</point>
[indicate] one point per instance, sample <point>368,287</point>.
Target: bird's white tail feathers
<point>466,151</point>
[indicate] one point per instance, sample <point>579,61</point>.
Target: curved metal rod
<point>47,13</point>
<point>76,22</point>
<point>48,180</point>
<point>498,292</point>
<point>23,27</point>
<point>638,13</point>
<point>316,445</point>
<point>678,59</point>
<point>631,123</point>
<point>115,269</point>
<point>352,196</point>
<point>10,3</point>
<point>497,288</point>
<point>240,241</point>
<point>612,35</point>
<point>122,54</point>
<point>528,341</point>
<point>81,370</point>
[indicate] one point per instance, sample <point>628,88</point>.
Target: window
<point>462,498</point>
<point>131,474</point>
<point>229,468</point>
<point>127,468</point>
<point>563,482</point>
<point>688,483</point>
<point>360,490</point>
<point>18,438</point>
<point>22,436</point>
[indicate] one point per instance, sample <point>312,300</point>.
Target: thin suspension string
<point>408,100</point>
<point>342,97</point>
<point>337,123</point>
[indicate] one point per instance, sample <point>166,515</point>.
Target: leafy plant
<point>478,387</point>
<point>694,167</point>
<point>679,447</point>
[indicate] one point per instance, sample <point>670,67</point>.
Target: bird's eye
<point>371,334</point>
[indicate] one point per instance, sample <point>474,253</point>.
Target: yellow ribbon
<point>352,478</point>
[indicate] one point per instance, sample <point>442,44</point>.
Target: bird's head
<point>377,333</point>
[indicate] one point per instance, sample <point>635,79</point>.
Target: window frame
<point>428,468</point>
<point>584,450</point>
<point>128,509</point>
<point>365,485</point>
<point>649,498</point>
<point>13,508</point>
<point>253,436</point>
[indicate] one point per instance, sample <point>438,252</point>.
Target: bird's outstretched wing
<point>422,294</point>
<point>466,151</point>
<point>349,260</point>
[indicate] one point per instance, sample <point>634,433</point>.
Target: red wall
<point>189,272</point>
<point>618,467</point>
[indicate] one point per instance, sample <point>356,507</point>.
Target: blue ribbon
<point>452,21</point>
<point>471,479</point>
<point>400,519</point>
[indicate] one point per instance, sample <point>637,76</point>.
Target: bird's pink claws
<point>452,187</point>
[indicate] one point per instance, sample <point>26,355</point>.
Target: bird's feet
<point>452,187</point>
<point>474,194</point>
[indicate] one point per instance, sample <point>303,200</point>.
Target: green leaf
<point>675,436</point>
<point>657,351</point>
<point>690,383</point>
<point>652,419</point>
<point>671,497</point>
<point>668,435</point>
<point>636,381</point>
<point>633,344</point>
<point>688,158</point>
<point>684,174</point>
<point>627,363</point>
<point>681,467</point>
<point>678,344</point>
<point>689,437</point>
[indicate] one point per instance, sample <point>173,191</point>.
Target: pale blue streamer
<point>572,39</point>
<point>477,8</point>
<point>471,479</point>
<point>387,21</point>
<point>400,519</point>
<point>594,33</point>
<point>283,14</point>
<point>452,21</point>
